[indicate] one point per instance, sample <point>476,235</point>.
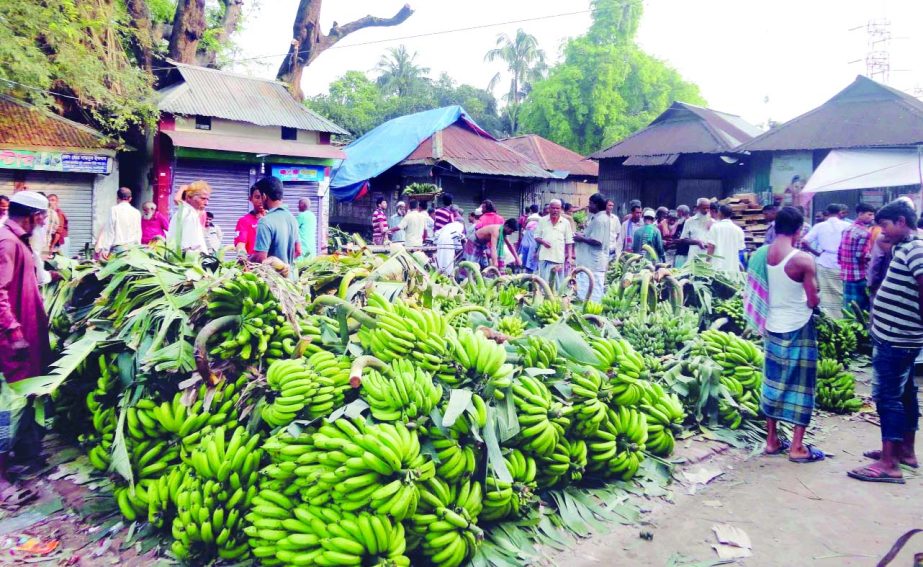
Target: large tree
<point>525,63</point>
<point>400,73</point>
<point>606,87</point>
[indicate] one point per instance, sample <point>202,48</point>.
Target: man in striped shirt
<point>380,221</point>
<point>897,338</point>
<point>853,257</point>
<point>443,214</point>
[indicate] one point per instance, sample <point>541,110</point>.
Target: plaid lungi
<point>789,375</point>
<point>858,292</point>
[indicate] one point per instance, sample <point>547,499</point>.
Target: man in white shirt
<point>448,240</point>
<point>123,229</point>
<point>725,241</point>
<point>823,240</point>
<point>632,223</point>
<point>187,231</point>
<point>592,248</point>
<point>555,239</point>
<point>414,225</point>
<point>615,231</point>
<point>695,229</point>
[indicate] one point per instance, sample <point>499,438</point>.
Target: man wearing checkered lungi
<point>790,341</point>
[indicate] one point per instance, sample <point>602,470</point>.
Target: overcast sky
<point>794,53</point>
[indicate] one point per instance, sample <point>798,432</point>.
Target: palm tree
<point>399,73</point>
<point>525,63</point>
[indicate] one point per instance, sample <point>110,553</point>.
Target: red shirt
<point>246,231</point>
<point>157,225</point>
<point>20,306</point>
<point>488,219</point>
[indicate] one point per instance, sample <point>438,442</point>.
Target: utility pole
<point>878,49</point>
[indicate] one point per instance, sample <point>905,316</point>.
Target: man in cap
<point>398,235</point>
<point>187,232</point>
<point>24,347</point>
<point>648,235</point>
<point>591,248</point>
<point>123,229</point>
<point>695,230</point>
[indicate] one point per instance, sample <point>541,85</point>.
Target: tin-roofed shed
<point>574,177</point>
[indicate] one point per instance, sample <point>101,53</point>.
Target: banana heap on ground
<point>663,331</point>
<point>742,365</point>
<point>248,297</point>
<point>549,310</point>
<point>836,388</point>
<point>309,387</point>
<point>445,526</point>
<point>836,339</point>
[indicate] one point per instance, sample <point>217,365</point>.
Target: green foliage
<point>162,11</point>
<point>606,88</point>
<point>525,63</point>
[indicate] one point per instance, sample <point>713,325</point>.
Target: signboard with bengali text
<point>65,162</point>
<point>299,173</point>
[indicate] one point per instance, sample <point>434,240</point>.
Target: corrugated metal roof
<point>553,157</point>
<point>646,161</point>
<point>209,141</point>
<point>470,152</point>
<point>684,129</point>
<point>22,124</point>
<point>210,92</point>
<point>864,114</point>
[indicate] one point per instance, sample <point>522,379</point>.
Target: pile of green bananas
<point>617,448</point>
<point>446,524</point>
<point>213,497</point>
<point>549,310</point>
<point>312,387</point>
<point>566,464</point>
<point>742,373</point>
<point>457,460</point>
<point>511,326</point>
<point>543,420</point>
<point>662,331</point>
<point>592,308</point>
<point>402,332</point>
<point>101,403</point>
<point>625,367</point>
<point>836,339</point>
<point>249,297</point>
<point>665,415</point>
<point>504,499</point>
<point>404,392</point>
<point>592,395</point>
<point>537,352</point>
<point>477,360</point>
<point>836,388</point>
<point>733,310</point>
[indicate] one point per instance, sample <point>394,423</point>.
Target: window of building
<point>289,133</point>
<point>203,122</point>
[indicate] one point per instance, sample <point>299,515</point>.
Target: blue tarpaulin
<point>389,144</point>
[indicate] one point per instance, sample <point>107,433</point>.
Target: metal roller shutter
<point>75,196</point>
<point>294,192</point>
<point>230,184</point>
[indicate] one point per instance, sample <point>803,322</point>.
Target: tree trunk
<point>188,28</point>
<point>144,34</point>
<point>229,21</point>
<point>308,42</point>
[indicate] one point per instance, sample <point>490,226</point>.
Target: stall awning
<point>209,141</point>
<point>842,170</point>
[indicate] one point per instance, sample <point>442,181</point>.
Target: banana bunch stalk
<point>479,361</point>
<point>508,499</point>
<point>664,414</point>
<point>625,367</point>
<point>312,387</point>
<point>402,392</point>
<point>213,498</point>
<point>538,352</point>
<point>403,332</point>
<point>836,388</point>
<point>617,448</point>
<point>549,311</point>
<point>446,524</point>
<point>511,326</point>
<point>592,395</point>
<point>543,421</point>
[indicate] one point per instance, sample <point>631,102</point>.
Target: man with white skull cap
<point>24,345</point>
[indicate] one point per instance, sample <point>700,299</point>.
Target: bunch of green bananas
<point>566,464</point>
<point>592,308</point>
<point>446,524</point>
<point>101,403</point>
<point>507,499</point>
<point>474,418</point>
<point>661,331</point>
<point>313,387</point>
<point>151,499</point>
<point>286,340</point>
<point>543,421</point>
<point>549,311</point>
<point>358,466</point>
<point>323,536</point>
<point>249,297</point>
<point>220,487</point>
<point>457,460</point>
<point>228,298</point>
<point>836,388</point>
<point>592,395</point>
<point>836,339</point>
<point>733,309</point>
<point>742,372</point>
<point>729,414</point>
<point>625,367</point>
<point>511,326</point>
<point>403,332</point>
<point>405,392</point>
<point>479,361</point>
<point>617,448</point>
<point>621,298</point>
<point>537,352</point>
<point>508,297</point>
<point>664,414</point>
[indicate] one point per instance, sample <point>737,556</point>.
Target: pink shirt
<point>488,219</point>
<point>155,226</point>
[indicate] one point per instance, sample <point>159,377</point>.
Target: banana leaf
<point>74,355</point>
<point>570,343</point>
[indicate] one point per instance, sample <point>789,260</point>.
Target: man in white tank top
<point>790,341</point>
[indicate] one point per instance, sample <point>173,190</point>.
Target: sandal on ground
<point>814,455</point>
<point>868,474</point>
<point>784,445</point>
<point>14,497</point>
<point>875,455</point>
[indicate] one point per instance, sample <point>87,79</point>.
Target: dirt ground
<point>794,514</point>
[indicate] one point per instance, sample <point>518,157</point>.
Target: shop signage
<point>55,161</point>
<point>299,173</point>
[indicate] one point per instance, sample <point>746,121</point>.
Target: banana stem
<point>451,315</point>
<point>348,280</point>
<point>589,275</point>
<point>537,281</point>
<point>201,343</point>
<point>360,364</point>
<point>473,271</point>
<point>491,269</point>
<point>595,319</point>
<point>350,309</point>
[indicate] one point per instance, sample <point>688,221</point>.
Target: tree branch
<point>188,28</point>
<point>140,18</point>
<point>339,32</point>
<point>230,19</point>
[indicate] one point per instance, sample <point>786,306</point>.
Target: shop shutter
<point>294,192</point>
<point>75,196</point>
<point>230,184</point>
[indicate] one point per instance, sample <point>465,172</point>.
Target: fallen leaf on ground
<point>726,552</point>
<point>712,503</point>
<point>731,535</point>
<point>37,547</point>
<point>702,475</point>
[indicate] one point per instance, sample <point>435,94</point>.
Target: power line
<point>38,89</point>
